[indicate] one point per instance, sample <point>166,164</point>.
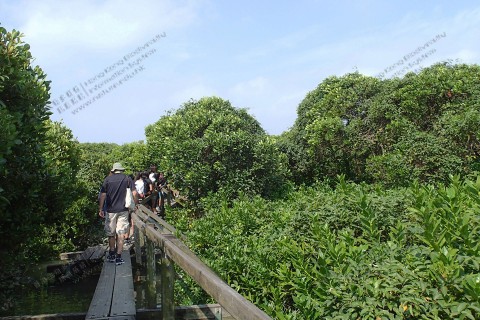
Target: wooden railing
<point>170,196</point>
<point>153,232</point>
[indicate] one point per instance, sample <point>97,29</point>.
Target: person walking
<point>153,177</point>
<point>162,187</point>
<point>140,185</point>
<point>114,191</point>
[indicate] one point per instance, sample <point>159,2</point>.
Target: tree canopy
<point>208,146</point>
<point>24,94</point>
<point>423,126</point>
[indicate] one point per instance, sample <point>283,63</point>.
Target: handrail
<point>157,219</point>
<point>178,252</point>
<point>169,192</point>
<point>145,200</point>
<point>162,223</point>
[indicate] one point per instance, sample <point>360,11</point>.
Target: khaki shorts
<point>116,223</point>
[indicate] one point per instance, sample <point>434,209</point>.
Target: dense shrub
<point>208,146</point>
<point>42,209</point>
<point>354,251</point>
<point>23,111</point>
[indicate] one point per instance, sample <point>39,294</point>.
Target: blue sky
<point>264,56</point>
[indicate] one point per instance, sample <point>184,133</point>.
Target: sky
<point>117,66</point>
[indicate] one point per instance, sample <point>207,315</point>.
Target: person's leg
<point>120,240</point>
<point>162,205</point>
<point>154,202</point>
<point>122,229</point>
<point>111,243</point>
<point>132,230</point>
<point>110,226</point>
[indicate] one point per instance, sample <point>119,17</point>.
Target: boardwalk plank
<point>87,253</point>
<point>99,252</point>
<point>100,305</point>
<point>123,300</point>
<point>209,311</point>
<point>71,255</point>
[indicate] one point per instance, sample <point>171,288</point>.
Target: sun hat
<point>117,166</point>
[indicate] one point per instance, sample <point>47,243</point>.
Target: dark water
<point>61,298</point>
<point>67,297</point>
<point>140,287</point>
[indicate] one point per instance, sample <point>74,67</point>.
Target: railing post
<point>167,273</point>
<point>231,301</point>
<point>218,313</point>
<point>138,248</point>
<point>151,272</point>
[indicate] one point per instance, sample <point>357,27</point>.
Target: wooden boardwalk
<point>114,296</point>
<point>91,253</point>
<point>77,265</point>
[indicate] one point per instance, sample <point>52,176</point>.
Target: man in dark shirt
<point>114,191</point>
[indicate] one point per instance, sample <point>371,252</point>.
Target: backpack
<point>146,186</point>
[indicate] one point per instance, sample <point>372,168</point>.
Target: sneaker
<point>119,261</point>
<point>111,256</point>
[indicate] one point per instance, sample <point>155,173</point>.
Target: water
<point>61,298</point>
<point>67,297</point>
<point>70,297</point>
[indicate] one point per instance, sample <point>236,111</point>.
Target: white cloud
<point>251,87</point>
<point>102,25</point>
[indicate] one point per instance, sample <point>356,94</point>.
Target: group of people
<point>118,222</point>
<point>152,184</point>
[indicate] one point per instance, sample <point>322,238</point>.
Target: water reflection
<point>61,298</point>
<point>69,297</point>
<point>140,287</point>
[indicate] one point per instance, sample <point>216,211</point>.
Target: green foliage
<point>7,136</point>
<point>68,214</point>
<point>133,156</point>
<point>95,163</point>
<point>420,155</point>
<point>70,209</point>
<point>23,111</point>
<point>423,126</point>
<point>293,145</point>
<point>96,160</point>
<point>326,128</point>
<point>42,203</point>
<point>61,157</point>
<point>208,146</point>
<point>354,251</point>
